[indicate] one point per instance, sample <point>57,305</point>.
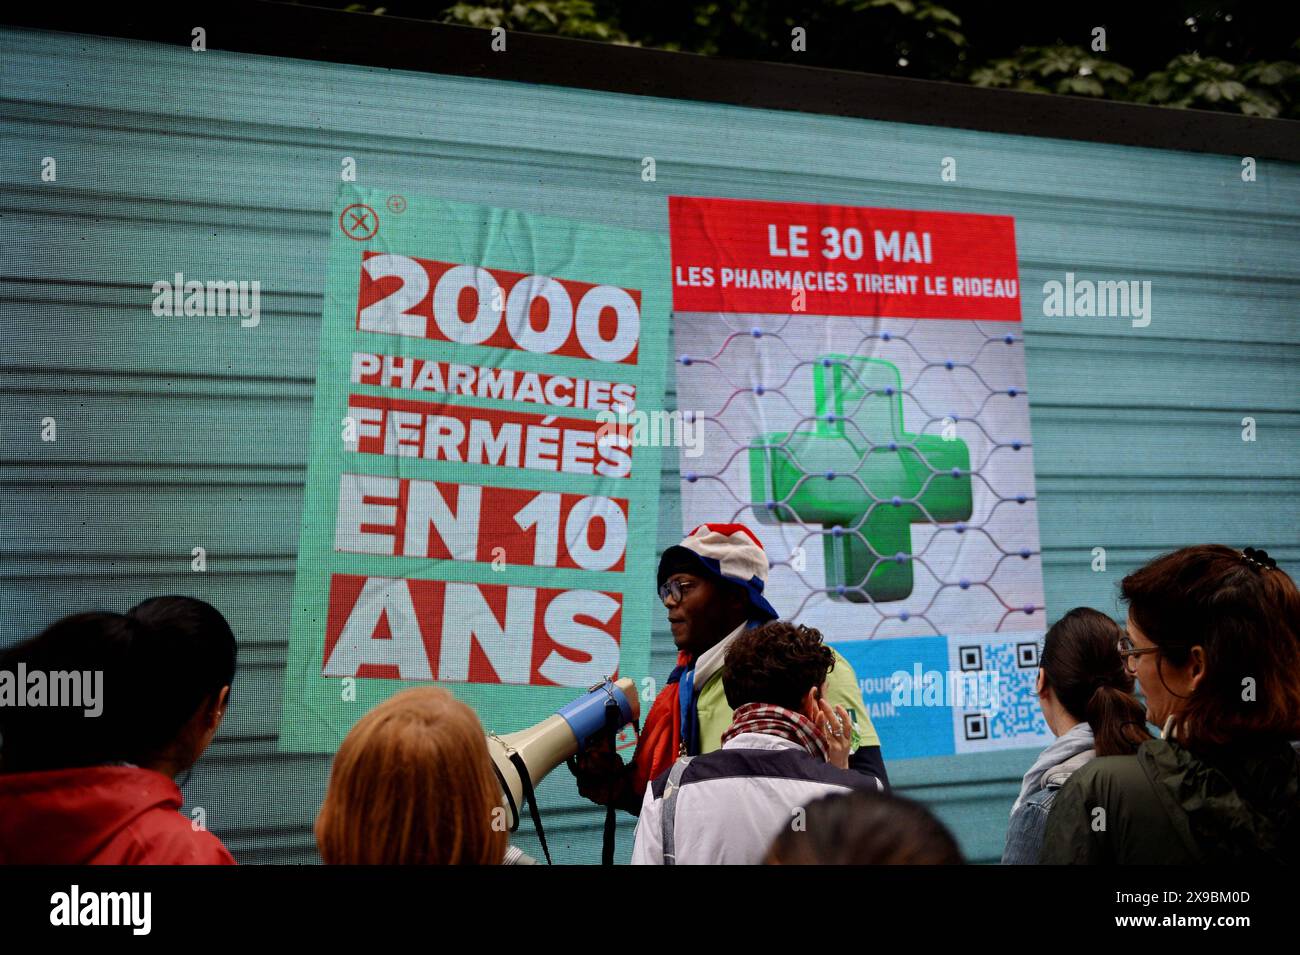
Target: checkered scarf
<point>773,720</point>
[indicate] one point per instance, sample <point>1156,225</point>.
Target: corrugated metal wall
<point>182,432</point>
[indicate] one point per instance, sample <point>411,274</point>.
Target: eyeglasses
<point>675,589</point>
<point>1130,653</point>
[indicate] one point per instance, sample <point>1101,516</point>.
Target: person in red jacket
<point>94,782</point>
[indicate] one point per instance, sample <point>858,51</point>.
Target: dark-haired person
<point>1214,641</point>
<point>190,670</point>
<point>77,789</point>
<point>711,585</point>
<point>1087,699</point>
<point>785,748</point>
<point>863,828</point>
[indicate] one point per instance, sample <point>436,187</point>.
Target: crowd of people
<point>759,749</point>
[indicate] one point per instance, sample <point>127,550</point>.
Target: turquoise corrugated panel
<point>175,433</point>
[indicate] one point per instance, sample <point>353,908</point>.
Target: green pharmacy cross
<point>856,469</point>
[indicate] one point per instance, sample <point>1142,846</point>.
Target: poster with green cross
<point>472,516</point>
<point>859,377</point>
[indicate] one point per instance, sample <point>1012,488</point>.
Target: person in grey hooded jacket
<point>1086,696</point>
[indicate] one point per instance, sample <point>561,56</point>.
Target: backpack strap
<point>670,808</point>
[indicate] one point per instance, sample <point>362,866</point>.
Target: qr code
<point>1007,714</point>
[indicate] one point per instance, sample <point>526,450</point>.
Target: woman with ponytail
<point>1086,696</point>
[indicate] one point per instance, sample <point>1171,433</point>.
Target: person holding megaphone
<point>711,585</point>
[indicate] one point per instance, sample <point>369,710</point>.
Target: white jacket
<point>731,803</point>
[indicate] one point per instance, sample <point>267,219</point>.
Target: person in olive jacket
<point>1214,640</point>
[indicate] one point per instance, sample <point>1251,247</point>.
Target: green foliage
<point>914,37</point>
<point>919,38</point>
<point>571,18</point>
<point>1195,82</point>
<point>1190,81</point>
<point>939,21</point>
<point>1068,70</point>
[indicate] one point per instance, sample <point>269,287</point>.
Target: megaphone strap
<point>530,797</point>
<point>514,810</point>
<point>612,720</point>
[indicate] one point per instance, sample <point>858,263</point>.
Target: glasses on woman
<point>1129,654</point>
<point>675,589</point>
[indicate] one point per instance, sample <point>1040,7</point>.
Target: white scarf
<point>1077,739</point>
<point>711,660</point>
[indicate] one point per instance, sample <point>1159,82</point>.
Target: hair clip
<point>1259,558</point>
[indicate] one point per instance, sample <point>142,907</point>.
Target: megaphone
<point>523,759</point>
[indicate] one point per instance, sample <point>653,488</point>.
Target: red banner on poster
<point>735,255</point>
<point>439,520</point>
<point>400,629</point>
<point>497,308</point>
<point>470,435</point>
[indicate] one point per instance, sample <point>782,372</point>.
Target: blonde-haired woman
<point>413,784</point>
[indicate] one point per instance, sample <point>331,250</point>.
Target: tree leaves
<point>920,38</point>
<point>1069,70</point>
